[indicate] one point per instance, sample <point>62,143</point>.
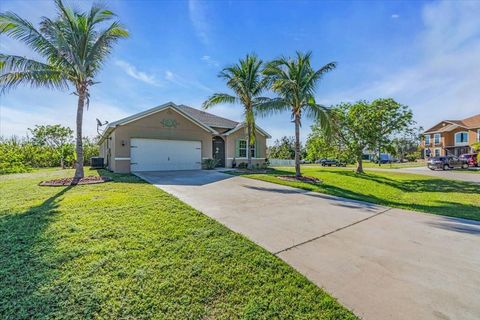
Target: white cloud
<point>210,61</point>
<point>198,16</point>
<point>183,82</point>
<point>133,72</point>
<point>395,16</point>
<point>444,83</point>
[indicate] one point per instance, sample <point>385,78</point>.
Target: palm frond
<point>219,98</point>
<point>266,106</point>
<point>14,26</point>
<point>320,114</point>
<point>103,46</point>
<point>52,79</point>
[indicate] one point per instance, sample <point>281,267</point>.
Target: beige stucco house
<point>176,137</point>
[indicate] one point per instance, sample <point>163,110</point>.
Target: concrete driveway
<point>449,174</point>
<point>382,263</point>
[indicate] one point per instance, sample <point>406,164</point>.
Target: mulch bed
<point>301,179</point>
<point>68,181</point>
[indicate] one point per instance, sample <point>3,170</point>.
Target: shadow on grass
<point>23,269</point>
<point>418,185</point>
<point>445,208</point>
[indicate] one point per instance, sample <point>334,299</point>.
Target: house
<point>452,137</point>
<point>176,137</point>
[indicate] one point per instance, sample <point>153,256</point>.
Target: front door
<point>218,150</point>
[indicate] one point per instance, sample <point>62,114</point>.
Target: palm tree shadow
<point>23,267</point>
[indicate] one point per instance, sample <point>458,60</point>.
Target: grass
<point>400,190</point>
<point>127,250</point>
<point>368,164</point>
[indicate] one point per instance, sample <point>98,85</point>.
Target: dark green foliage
<point>282,149</point>
<point>22,155</point>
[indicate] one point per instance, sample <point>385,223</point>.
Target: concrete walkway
<point>382,263</point>
<point>449,174</point>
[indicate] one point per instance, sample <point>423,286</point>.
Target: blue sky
<point>423,54</point>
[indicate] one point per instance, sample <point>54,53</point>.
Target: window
<point>461,138</point>
<point>436,138</point>
<point>242,149</point>
<point>478,135</point>
<point>427,139</point>
<point>437,152</point>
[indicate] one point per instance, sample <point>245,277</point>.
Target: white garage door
<point>162,155</point>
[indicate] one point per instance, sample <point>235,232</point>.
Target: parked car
<point>446,162</point>
<point>471,158</point>
<point>331,162</point>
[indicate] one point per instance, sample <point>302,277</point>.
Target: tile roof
<point>208,119</point>
<point>472,122</point>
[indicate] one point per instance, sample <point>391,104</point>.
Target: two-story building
<point>451,137</point>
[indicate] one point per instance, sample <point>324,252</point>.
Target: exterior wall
<point>447,140</point>
<point>153,128</point>
<point>230,145</point>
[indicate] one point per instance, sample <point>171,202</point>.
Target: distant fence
<point>281,162</point>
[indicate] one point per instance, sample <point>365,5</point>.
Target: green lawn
<point>395,189</point>
<point>127,250</point>
<point>368,164</point>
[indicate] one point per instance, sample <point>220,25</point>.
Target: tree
<point>387,118</point>
<point>54,136</point>
<point>363,125</point>
<point>476,146</point>
<point>407,143</point>
<point>245,79</point>
<point>319,145</point>
<point>295,81</point>
<point>74,48</point>
<point>282,149</point>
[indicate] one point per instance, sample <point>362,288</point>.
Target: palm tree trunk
<point>297,146</point>
<point>249,152</point>
<point>79,145</point>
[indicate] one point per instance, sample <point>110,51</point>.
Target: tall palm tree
<point>74,46</point>
<point>295,82</point>
<point>246,81</point>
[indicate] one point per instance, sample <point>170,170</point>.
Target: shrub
<point>242,165</point>
<point>21,155</point>
<point>209,164</point>
<point>413,156</point>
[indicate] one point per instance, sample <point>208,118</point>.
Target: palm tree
<point>295,82</point>
<point>74,48</point>
<point>246,81</point>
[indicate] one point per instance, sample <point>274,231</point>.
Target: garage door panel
<point>163,155</point>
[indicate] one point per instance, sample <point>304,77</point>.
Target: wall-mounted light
<point>123,143</point>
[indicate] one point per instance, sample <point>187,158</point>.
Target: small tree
<point>476,146</point>
<point>319,146</point>
<point>407,143</point>
<point>56,137</point>
<point>283,149</point>
<point>387,117</point>
<point>368,125</point>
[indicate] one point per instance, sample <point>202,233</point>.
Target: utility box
<point>96,162</point>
